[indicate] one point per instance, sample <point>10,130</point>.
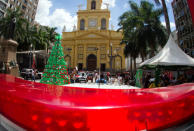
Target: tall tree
<point>158,2</point>
<point>142,29</point>
<point>12,25</point>
<point>50,34</point>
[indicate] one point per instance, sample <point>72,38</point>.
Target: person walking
<point>147,80</point>
<point>108,76</point>
<point>119,79</point>
<point>96,76</point>
<point>33,75</point>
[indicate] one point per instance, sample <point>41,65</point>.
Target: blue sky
<point>57,13</point>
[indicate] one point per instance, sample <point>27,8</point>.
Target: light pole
<point>111,58</point>
<point>117,55</point>
<point>121,60</point>
<point>30,56</point>
<point>99,66</point>
<point>68,55</point>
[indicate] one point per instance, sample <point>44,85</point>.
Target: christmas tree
<point>55,71</point>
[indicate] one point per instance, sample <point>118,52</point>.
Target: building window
<point>80,56</point>
<point>103,48</point>
<point>80,48</point>
<point>82,24</point>
<point>103,24</point>
<point>93,5</point>
<point>102,56</point>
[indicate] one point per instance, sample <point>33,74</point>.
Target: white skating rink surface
<point>101,86</point>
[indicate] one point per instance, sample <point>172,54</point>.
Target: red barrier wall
<point>191,6</point>
<point>36,106</point>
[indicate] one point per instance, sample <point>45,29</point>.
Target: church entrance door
<point>91,62</point>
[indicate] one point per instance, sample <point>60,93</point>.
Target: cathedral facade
<point>93,45</point>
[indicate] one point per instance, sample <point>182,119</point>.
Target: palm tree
<point>51,33</point>
<point>131,50</point>
<point>165,14</point>
<point>142,29</point>
<point>42,37</point>
<point>11,26</point>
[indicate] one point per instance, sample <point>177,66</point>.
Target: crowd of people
<point>166,79</point>
<point>106,77</point>
<point>148,79</point>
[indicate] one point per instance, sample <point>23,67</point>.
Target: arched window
<point>82,24</point>
<point>93,5</point>
<point>103,24</point>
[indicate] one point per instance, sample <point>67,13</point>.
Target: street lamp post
<point>121,60</point>
<point>30,57</point>
<point>111,58</point>
<point>117,55</point>
<point>99,66</point>
<point>68,55</point>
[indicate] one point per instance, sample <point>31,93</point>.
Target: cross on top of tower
<point>80,7</point>
<point>107,5</point>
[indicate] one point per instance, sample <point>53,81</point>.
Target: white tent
<point>170,55</point>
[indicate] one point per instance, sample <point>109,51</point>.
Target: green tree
<point>11,26</point>
<point>131,50</point>
<point>142,30</point>
<point>50,35</point>
<point>39,36</point>
<point>14,26</point>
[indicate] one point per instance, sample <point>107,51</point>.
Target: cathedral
<point>93,46</point>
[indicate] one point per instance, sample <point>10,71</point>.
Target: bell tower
<point>93,18</point>
<point>94,4</point>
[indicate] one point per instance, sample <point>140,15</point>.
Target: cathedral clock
<point>92,23</point>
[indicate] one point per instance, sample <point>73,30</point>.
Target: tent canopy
<point>170,55</point>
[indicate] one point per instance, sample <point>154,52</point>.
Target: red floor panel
<point>36,106</point>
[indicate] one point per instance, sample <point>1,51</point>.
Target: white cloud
<point>61,17</point>
<point>110,2</point>
<point>126,5</point>
<point>58,18</point>
<point>172,25</point>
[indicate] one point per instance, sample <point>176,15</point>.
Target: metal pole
<point>69,63</point>
<point>30,56</point>
<point>99,71</point>
<point>69,50</point>
<point>111,59</point>
<point>30,60</point>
